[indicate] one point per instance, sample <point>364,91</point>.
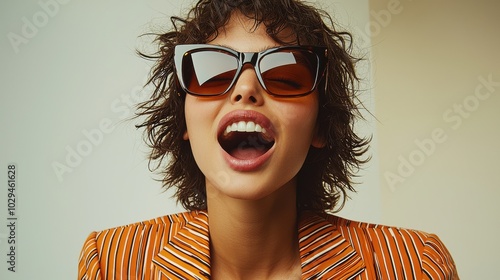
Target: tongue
<point>247,153</point>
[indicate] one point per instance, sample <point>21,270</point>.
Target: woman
<point>252,122</point>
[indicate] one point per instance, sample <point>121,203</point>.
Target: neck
<point>254,239</point>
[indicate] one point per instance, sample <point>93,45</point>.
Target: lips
<point>246,138</point>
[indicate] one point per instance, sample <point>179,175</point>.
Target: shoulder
<point>167,220</point>
<point>387,246</point>
<point>133,244</point>
<point>149,228</point>
<point>378,232</point>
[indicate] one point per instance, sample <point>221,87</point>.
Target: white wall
<point>69,70</point>
<point>365,204</point>
<point>75,73</point>
<point>430,63</point>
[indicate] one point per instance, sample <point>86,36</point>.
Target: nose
<point>247,88</point>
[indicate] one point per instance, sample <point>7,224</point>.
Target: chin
<point>249,189</point>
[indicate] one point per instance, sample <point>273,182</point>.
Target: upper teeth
<point>243,126</point>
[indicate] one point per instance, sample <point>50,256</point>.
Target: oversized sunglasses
<point>287,71</point>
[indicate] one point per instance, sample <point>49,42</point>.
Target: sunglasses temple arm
<point>325,76</point>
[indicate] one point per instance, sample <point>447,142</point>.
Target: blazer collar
<point>324,252</point>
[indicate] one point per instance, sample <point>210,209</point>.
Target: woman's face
<point>255,164</point>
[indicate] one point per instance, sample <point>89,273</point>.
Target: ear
<point>185,136</point>
<point>318,140</point>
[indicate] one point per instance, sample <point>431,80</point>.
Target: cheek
<point>199,115</point>
<point>197,128</point>
<point>190,106</point>
<point>201,123</point>
<point>299,116</point>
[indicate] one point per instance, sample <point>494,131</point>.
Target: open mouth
<point>245,140</point>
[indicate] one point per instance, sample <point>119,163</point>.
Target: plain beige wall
<point>436,70</point>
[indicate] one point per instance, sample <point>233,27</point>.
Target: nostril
<point>239,97</point>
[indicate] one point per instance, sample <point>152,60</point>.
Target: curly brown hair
<point>327,173</point>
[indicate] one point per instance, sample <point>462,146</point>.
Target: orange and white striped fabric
<point>177,247</point>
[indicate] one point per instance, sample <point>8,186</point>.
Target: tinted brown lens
<point>289,72</point>
<point>208,72</point>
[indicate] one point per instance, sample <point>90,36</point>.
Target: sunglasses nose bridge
<point>249,57</point>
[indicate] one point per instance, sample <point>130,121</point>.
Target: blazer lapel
<point>324,253</point>
<point>187,253</point>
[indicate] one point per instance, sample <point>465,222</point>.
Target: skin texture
<point>253,210</point>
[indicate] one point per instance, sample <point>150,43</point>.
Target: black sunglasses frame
<point>248,57</point>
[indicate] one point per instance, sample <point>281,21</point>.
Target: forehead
<point>244,34</point>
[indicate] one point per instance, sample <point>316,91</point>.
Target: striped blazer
<point>177,247</point>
